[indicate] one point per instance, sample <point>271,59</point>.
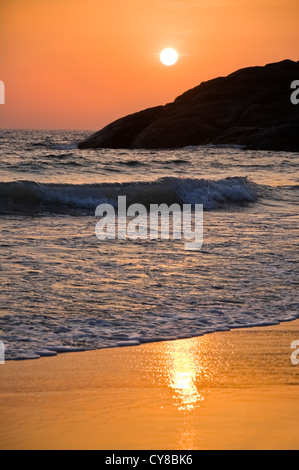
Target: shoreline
<point>226,390</point>
<point>54,352</point>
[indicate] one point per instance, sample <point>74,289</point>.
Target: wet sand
<point>229,390</point>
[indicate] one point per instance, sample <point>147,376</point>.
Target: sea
<point>64,290</point>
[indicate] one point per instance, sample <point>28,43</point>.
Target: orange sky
<point>79,64</point>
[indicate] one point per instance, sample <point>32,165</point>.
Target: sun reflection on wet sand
<point>183,379</point>
<point>185,370</point>
<point>191,369</point>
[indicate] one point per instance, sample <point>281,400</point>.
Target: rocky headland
<point>251,108</point>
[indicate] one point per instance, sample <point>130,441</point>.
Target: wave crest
<point>29,196</point>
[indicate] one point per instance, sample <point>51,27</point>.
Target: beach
<point>149,227</point>
<point>227,390</point>
<point>165,348</point>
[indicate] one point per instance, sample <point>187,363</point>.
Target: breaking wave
<point>29,196</point>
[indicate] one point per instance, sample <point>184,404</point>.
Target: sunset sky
<point>79,64</point>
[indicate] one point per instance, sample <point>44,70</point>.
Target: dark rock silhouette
<point>250,108</point>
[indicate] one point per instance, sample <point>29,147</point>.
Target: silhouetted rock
<point>250,107</point>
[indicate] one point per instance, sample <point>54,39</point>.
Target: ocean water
<point>63,290</point>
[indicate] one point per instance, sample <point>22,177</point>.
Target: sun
<point>169,56</point>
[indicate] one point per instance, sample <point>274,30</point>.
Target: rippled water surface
<point>63,289</point>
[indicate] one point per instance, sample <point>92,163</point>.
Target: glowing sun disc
<point>169,56</point>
